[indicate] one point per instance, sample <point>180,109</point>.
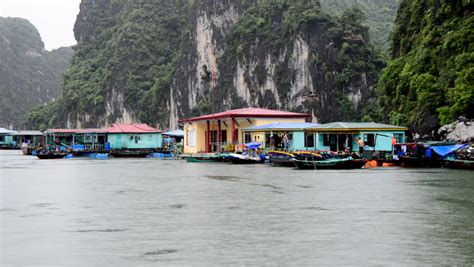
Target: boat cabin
<point>223,131</point>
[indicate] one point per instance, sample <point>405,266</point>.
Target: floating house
<point>339,136</point>
<point>6,139</point>
<point>33,138</point>
<point>77,139</point>
<point>117,137</point>
<point>272,134</point>
<point>134,136</point>
<point>224,130</point>
<point>334,136</point>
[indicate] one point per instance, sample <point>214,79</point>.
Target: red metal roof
<point>248,113</point>
<point>132,128</point>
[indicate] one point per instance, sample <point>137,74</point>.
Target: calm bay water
<point>169,212</point>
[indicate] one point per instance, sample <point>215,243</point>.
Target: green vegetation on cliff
<point>430,79</point>
<point>380,16</point>
<point>342,61</point>
<point>123,63</point>
<point>128,53</point>
<point>29,75</point>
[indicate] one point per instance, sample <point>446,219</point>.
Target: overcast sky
<point>54,19</point>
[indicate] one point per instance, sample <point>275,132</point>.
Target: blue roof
<point>282,126</point>
<point>179,133</point>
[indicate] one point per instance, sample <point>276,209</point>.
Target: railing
<point>233,146</point>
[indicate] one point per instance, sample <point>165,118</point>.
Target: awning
<point>252,145</point>
<point>177,133</point>
<point>443,151</point>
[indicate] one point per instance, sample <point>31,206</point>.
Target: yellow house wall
<point>201,127</point>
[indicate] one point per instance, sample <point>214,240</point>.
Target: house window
<point>369,140</point>
<point>2,138</point>
<point>191,138</point>
<point>309,139</point>
<point>398,137</point>
<point>137,139</point>
<point>247,137</point>
<point>329,139</point>
<point>90,138</point>
<point>224,136</point>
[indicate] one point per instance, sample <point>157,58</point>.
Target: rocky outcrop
<point>461,130</point>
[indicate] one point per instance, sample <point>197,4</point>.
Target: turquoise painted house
<point>334,136</point>
<point>134,136</point>
<point>6,139</point>
<point>338,136</point>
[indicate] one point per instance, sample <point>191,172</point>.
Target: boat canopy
<point>444,151</point>
<point>253,145</point>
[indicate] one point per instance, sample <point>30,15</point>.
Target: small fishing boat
<point>205,157</point>
<point>43,154</point>
<point>459,164</point>
<point>329,163</point>
<point>249,156</point>
<point>281,158</point>
<point>245,159</point>
<point>129,153</point>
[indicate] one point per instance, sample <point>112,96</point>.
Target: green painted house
<point>134,136</point>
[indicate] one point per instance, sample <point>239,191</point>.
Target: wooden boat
<point>245,159</point>
<point>459,164</point>
<point>129,153</point>
<point>203,158</point>
<point>331,163</point>
<point>281,158</point>
<point>51,154</point>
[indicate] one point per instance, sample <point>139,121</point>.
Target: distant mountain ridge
<point>30,76</point>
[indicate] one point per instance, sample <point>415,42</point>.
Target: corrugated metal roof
<point>6,131</point>
<point>358,126</point>
<point>282,126</point>
<point>71,131</point>
<point>132,128</point>
<point>248,113</point>
<point>175,133</point>
<point>28,133</point>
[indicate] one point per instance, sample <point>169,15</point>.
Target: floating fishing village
<point>248,136</point>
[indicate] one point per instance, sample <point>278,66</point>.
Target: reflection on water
<point>151,211</point>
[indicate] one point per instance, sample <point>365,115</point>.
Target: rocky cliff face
<point>159,61</point>
<point>276,56</point>
<point>29,75</point>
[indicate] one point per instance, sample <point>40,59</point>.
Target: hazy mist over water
<point>151,211</point>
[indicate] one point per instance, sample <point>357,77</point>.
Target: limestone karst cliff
<point>158,61</point>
